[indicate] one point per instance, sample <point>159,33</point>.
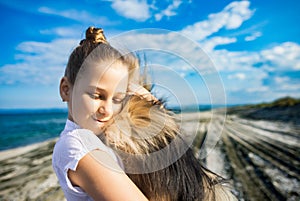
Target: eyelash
<point>117,100</point>
<point>102,97</point>
<point>97,96</point>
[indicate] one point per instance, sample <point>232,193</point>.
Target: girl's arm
<point>104,180</point>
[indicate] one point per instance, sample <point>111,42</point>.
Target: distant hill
<point>286,109</point>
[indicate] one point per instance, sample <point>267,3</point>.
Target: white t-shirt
<point>73,144</point>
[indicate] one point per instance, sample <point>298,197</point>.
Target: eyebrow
<point>98,89</point>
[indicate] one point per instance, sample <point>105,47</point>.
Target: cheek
<point>89,104</point>
<point>117,108</point>
<point>82,107</point>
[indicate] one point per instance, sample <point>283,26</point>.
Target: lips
<point>100,120</point>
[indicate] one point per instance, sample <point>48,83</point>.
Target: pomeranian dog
<point>157,158</point>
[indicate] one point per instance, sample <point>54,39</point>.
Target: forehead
<point>94,69</point>
<point>102,73</point>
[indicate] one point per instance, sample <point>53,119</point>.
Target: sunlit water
<point>23,127</point>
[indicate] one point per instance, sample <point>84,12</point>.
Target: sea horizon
<point>25,126</point>
<point>22,127</point>
<point>65,109</point>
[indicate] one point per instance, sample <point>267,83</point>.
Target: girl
<point>144,128</point>
<point>94,86</point>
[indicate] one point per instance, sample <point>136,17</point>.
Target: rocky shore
<point>285,110</point>
<point>258,156</point>
<point>262,146</point>
<point>26,174</point>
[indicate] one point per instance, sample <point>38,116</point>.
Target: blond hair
<point>144,127</point>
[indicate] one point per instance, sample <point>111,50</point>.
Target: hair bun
<point>94,35</point>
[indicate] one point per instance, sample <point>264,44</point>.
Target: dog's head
<point>142,127</point>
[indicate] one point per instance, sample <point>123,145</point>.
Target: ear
<point>65,89</point>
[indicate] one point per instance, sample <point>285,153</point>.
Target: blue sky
<point>253,47</point>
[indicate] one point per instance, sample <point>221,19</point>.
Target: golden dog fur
<point>145,127</point>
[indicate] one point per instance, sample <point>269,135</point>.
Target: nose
<point>105,110</point>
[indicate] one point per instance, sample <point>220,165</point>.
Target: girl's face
<point>98,94</point>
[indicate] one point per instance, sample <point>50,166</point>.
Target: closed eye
<point>119,98</point>
<point>97,96</point>
<point>118,101</point>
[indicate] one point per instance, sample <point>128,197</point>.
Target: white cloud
<point>231,17</point>
<point>140,10</point>
<point>228,61</point>
<point>254,89</point>
<point>236,13</point>
<point>245,80</point>
<point>69,32</point>
<point>240,76</point>
<point>285,56</point>
<point>288,87</point>
<point>169,11</point>
<point>172,43</point>
<point>80,16</point>
<point>253,36</point>
<point>285,83</point>
<point>281,80</point>
<point>209,44</point>
<point>170,50</point>
<point>38,63</point>
<point>133,9</point>
<point>282,57</point>
<point>44,63</point>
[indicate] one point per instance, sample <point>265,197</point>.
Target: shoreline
<point>13,152</point>
<point>10,153</point>
<point>26,172</point>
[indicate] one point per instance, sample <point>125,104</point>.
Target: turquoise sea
<point>23,127</point>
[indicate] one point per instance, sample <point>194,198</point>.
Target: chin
<point>98,131</point>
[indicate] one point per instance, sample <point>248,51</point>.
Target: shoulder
<point>77,141</point>
<point>67,153</point>
<point>70,147</point>
<point>70,141</point>
<point>74,145</point>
